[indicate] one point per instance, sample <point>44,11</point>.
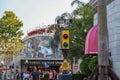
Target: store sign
<point>64,21</point>
<point>43,62</point>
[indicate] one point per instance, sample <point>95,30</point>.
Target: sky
<point>35,13</point>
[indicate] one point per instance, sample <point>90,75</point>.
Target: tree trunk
<point>102,41</point>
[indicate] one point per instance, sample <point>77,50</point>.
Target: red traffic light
<point>65,36</point>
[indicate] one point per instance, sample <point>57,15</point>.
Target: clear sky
<point>36,12</point>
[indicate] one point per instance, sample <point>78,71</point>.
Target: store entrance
<point>43,69</point>
<point>41,64</point>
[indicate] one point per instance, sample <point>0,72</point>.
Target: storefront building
<point>113,24</point>
<point>38,52</point>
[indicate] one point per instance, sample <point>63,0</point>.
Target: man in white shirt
<point>26,76</point>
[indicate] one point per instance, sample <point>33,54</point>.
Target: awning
<point>91,44</point>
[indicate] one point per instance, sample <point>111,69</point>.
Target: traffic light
<point>65,39</point>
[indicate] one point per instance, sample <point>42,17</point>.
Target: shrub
<point>93,63</point>
<point>42,78</point>
<point>46,76</point>
<point>84,66</point>
<point>78,77</point>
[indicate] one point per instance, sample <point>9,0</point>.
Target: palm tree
<point>57,28</point>
<point>51,28</point>
<point>78,3</point>
<point>82,20</point>
<point>66,15</point>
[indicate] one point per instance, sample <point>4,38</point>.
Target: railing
<point>94,75</point>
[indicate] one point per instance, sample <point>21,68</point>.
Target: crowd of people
<point>33,75</point>
<point>38,74</point>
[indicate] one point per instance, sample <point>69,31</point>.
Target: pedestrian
<point>21,75</point>
<point>26,75</point>
<point>0,75</point>
<point>59,75</point>
<point>50,75</point>
<point>5,76</point>
<point>17,76</point>
<point>12,76</point>
<point>35,74</point>
<point>55,75</point>
<point>8,77</point>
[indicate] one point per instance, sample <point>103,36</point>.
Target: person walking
<point>50,75</point>
<point>12,76</point>
<point>17,76</point>
<point>21,75</point>
<point>35,74</point>
<point>55,75</point>
<point>0,76</point>
<point>26,76</point>
<point>8,77</point>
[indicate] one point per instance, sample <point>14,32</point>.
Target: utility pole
<point>102,41</point>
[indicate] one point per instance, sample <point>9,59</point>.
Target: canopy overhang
<point>91,43</point>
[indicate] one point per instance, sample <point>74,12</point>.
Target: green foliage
<point>55,41</point>
<point>82,18</point>
<point>84,66</point>
<point>93,63</point>
<point>42,78</point>
<point>10,26</point>
<point>78,77</point>
<point>82,22</point>
<point>46,76</point>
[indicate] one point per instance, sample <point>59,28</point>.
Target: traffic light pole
<point>65,53</point>
<point>65,38</point>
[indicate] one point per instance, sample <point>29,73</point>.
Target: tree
<point>54,29</point>
<point>82,22</point>
<point>93,63</point>
<point>82,18</point>
<point>56,40</point>
<point>78,3</point>
<point>10,26</point>
<point>13,46</point>
<point>57,31</point>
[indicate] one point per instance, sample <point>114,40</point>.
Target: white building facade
<point>113,24</point>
